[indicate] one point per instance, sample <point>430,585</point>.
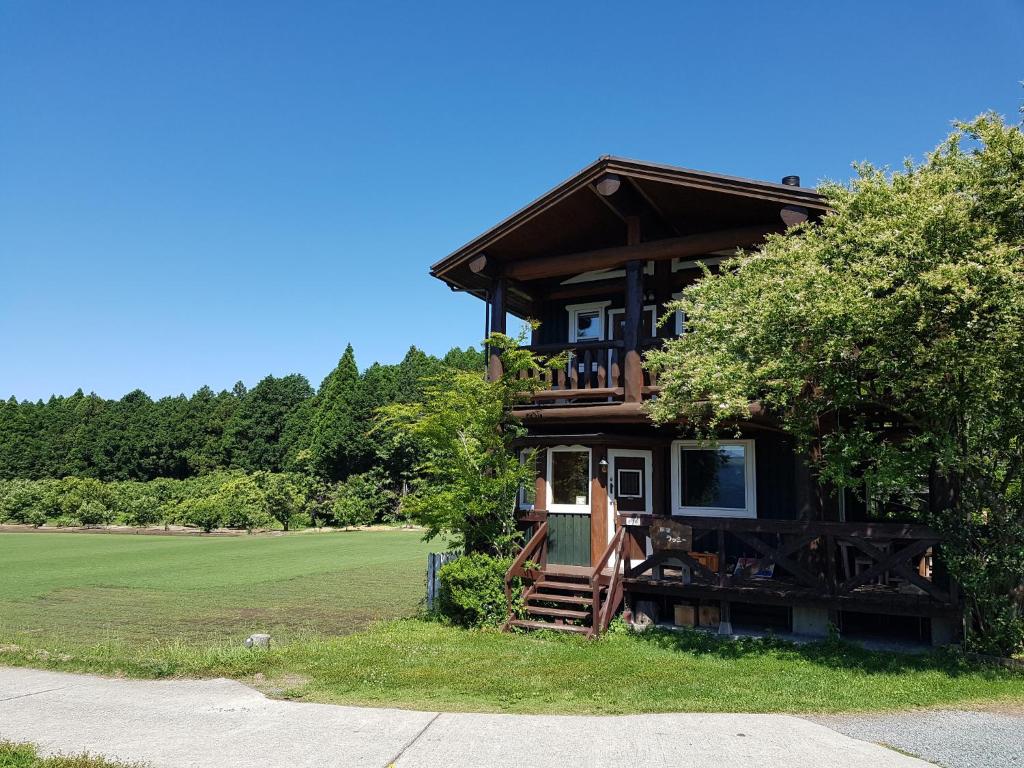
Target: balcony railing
<point>594,371</point>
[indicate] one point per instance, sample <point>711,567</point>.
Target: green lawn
<point>106,604</point>
<point>87,588</point>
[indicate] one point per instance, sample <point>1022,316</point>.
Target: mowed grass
<point>89,588</point>
<point>418,664</point>
<point>154,607</point>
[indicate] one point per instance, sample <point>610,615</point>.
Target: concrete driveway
<point>224,724</point>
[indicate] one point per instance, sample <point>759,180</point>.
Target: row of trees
<point>223,499</point>
<point>280,425</point>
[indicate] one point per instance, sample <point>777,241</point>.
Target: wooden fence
<point>434,562</point>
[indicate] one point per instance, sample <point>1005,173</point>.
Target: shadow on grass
<point>833,653</point>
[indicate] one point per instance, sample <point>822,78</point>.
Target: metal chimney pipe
<point>791,181</point>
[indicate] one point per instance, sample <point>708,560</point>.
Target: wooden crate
<point>710,615</point>
<point>685,616</point>
<point>708,559</point>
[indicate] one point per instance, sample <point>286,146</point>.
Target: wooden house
<point>629,515</point>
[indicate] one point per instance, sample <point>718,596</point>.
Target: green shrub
<point>94,513</point>
<point>472,590</point>
<point>242,503</point>
<point>66,521</point>
<point>34,517</point>
<point>205,513</point>
<point>140,512</point>
<point>363,499</point>
<point>22,501</point>
<point>69,494</point>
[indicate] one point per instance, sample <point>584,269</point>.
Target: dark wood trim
<point>630,413</point>
<point>499,287</point>
<point>889,604</point>
<point>655,250</point>
<point>576,346</point>
<point>598,438</point>
<point>817,527</point>
<point>634,370</point>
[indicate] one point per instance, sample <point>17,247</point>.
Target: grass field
<point>158,607</point>
<point>89,588</point>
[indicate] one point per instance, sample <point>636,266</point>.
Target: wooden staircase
<point>565,598</point>
<point>561,599</point>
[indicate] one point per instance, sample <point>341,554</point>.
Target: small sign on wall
<point>671,536</point>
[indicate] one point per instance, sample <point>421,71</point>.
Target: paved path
<point>990,738</point>
<point>224,724</point>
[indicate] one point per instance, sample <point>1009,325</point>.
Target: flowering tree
<point>889,338</point>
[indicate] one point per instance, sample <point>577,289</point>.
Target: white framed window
<point>713,480</point>
<point>586,321</point>
<point>527,499</point>
<point>618,316</point>
<point>629,484</point>
<point>569,479</point>
<point>680,318</point>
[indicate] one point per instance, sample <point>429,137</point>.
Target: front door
<point>629,484</point>
<point>569,474</point>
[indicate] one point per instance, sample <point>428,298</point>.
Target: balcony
<point>597,372</point>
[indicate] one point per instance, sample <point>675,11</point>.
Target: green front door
<point>569,538</point>
<point>569,476</point>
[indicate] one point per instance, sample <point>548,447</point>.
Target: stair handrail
<point>536,542</point>
<point>601,614</point>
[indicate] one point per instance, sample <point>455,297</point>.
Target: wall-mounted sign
<point>671,536</point>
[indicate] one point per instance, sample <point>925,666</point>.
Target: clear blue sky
<point>199,192</point>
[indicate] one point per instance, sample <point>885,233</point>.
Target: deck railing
<point>529,563</point>
<point>889,567</point>
<point>586,371</point>
<point>607,575</point>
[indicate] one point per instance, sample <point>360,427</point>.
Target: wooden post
<point>599,533</point>
<point>634,372</point>
<point>498,311</point>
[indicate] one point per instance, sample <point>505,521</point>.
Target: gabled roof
<point>572,217</point>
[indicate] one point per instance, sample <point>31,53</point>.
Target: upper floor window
<point>586,321</point>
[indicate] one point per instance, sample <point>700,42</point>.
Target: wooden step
<point>558,613</point>
<point>572,571</point>
<point>562,585</point>
<point>527,624</point>
<point>555,597</point>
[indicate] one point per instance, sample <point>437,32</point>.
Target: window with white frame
<point>586,321</point>
<point>528,491</point>
<point>713,480</point>
<point>569,479</point>
<point>629,484</point>
<point>680,318</point>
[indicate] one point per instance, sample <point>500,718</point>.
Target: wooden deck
<point>884,568</point>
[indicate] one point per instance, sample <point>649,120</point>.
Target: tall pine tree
<point>338,442</point>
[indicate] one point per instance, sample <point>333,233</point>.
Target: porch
<point>819,571</point>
